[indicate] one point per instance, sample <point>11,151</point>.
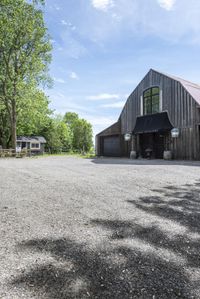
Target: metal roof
<point>40,139</point>
<point>192,88</point>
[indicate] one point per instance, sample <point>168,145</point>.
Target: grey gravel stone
<point>102,228</point>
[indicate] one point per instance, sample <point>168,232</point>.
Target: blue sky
<point>103,48</point>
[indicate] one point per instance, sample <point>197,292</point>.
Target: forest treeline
<point>25,55</point>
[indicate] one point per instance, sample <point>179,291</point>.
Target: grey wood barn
<point>158,104</point>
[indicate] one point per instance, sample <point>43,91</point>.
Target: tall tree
<point>70,117</point>
<point>33,112</point>
<point>4,127</point>
<point>81,132</point>
<point>82,135</point>
<point>25,52</point>
<point>58,135</point>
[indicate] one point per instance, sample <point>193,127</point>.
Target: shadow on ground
<point>180,204</point>
<point>117,273</point>
<point>127,161</point>
<point>125,270</point>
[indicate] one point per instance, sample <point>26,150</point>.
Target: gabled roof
<point>114,129</point>
<point>192,88</point>
<point>41,139</point>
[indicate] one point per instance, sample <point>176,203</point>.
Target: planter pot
<point>167,155</point>
<point>133,155</point>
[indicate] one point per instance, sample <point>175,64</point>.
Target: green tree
<point>33,113</point>
<point>65,135</point>
<point>82,135</point>
<point>58,135</point>
<point>81,132</point>
<point>70,118</point>
<point>4,127</point>
<point>25,52</point>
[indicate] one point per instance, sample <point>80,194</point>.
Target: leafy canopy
<point>25,52</point>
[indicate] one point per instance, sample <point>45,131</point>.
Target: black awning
<point>152,123</point>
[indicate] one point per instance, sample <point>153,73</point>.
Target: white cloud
<point>68,24</point>
<point>74,76</point>
<point>103,5</point>
<point>99,123</point>
<point>99,120</point>
<point>63,22</point>
<point>57,7</point>
<point>54,7</point>
<point>103,96</point>
<point>131,17</point>
<point>59,80</point>
<point>166,4</point>
<point>72,47</point>
<point>61,103</point>
<point>114,105</point>
<point>182,24</point>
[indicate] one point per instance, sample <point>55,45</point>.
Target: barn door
<point>153,141</point>
<point>111,146</point>
<point>146,142</point>
<point>158,145</point>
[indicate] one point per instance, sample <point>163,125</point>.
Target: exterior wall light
<point>127,137</point>
<point>175,133</point>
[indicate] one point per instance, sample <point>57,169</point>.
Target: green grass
<point>70,154</point>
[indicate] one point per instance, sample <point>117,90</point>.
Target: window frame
<point>149,97</point>
<point>33,145</point>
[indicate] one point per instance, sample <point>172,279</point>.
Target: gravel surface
<point>104,228</point>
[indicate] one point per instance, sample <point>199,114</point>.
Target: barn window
<point>151,100</point>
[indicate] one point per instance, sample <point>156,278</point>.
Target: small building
<point>35,144</point>
<point>161,114</point>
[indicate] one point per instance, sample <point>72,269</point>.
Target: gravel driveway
<point>105,228</point>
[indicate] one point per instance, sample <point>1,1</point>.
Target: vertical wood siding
<point>182,109</point>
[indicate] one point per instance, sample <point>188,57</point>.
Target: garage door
<point>111,146</point>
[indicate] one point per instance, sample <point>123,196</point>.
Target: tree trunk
<point>13,125</point>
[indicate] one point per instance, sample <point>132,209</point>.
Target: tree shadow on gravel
<point>136,261</point>
<point>116,273</point>
<point>179,204</point>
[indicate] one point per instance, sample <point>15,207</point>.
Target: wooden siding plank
<point>182,109</point>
